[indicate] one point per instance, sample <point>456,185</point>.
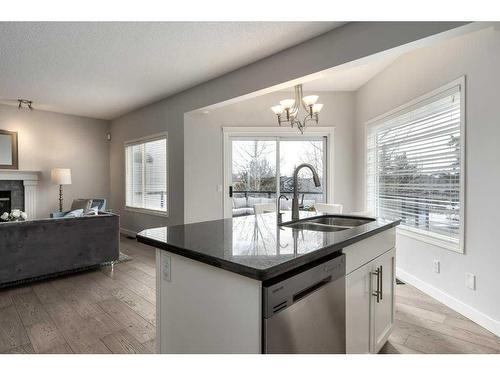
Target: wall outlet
<point>219,188</point>
<point>470,281</point>
<point>437,266</point>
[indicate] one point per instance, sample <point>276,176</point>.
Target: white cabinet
<point>382,312</point>
<point>370,304</point>
<point>358,298</point>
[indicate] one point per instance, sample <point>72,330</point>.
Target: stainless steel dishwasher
<point>305,313</point>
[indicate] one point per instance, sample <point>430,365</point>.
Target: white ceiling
<point>104,70</point>
<point>350,77</point>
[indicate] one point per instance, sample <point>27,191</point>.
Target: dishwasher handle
<point>304,293</point>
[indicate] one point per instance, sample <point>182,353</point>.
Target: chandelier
<point>291,108</point>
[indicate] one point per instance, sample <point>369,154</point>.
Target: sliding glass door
<point>261,169</point>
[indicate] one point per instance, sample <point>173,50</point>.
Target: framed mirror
<point>8,150</point>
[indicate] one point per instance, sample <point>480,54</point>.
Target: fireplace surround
<point>22,186</point>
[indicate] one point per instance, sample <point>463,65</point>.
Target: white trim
<point>141,140</point>
<point>147,138</point>
<point>470,312</point>
<point>415,103</point>
<point>17,175</point>
<point>408,106</point>
<point>128,232</point>
<point>146,211</point>
<point>429,237</point>
<point>273,131</point>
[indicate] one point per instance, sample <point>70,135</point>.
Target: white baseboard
<point>127,232</point>
<point>476,316</point>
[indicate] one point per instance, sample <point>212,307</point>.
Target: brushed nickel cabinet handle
<point>377,292</point>
<point>381,282</point>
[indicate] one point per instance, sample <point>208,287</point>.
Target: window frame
<point>229,132</point>
<point>421,235</point>
<point>138,141</point>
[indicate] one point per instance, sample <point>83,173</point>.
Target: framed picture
<point>8,150</point>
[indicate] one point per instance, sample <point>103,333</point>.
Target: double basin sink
<point>328,223</point>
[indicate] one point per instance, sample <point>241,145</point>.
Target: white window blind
<point>146,174</point>
<point>415,165</point>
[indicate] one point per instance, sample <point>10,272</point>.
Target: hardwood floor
<point>112,310</point>
<point>424,325</point>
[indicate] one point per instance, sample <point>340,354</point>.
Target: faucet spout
<point>295,200</point>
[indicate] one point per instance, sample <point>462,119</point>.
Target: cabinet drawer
<point>362,252</point>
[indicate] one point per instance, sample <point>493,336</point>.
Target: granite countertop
<point>255,246</point>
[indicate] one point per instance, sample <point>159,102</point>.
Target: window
<point>259,163</point>
<point>415,167</point>
<point>146,174</point>
<point>262,170</point>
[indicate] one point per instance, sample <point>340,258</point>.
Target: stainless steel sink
<point>328,223</point>
<point>314,226</point>
<point>346,222</point>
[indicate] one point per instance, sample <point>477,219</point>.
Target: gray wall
<point>350,42</point>
<point>477,56</point>
<point>203,148</point>
<point>49,140</point>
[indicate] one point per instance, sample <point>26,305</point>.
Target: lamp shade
<point>287,103</point>
<point>310,99</point>
<point>61,176</point>
<point>277,109</point>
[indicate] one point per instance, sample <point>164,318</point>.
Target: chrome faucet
<point>280,214</point>
<point>295,200</point>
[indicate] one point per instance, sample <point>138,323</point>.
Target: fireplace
<point>11,196</point>
<point>4,202</point>
<point>21,185</point>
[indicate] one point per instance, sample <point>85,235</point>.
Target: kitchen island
<point>212,278</point>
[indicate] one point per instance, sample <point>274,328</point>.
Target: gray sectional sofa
<point>39,248</point>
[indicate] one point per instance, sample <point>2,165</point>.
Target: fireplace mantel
<point>15,175</point>
<point>30,180</point>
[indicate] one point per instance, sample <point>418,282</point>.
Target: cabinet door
<point>383,310</point>
<point>358,296</point>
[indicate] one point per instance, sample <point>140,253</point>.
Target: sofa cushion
<point>239,202</point>
<point>252,201</point>
<point>83,204</point>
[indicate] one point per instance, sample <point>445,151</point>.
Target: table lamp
<point>61,176</point>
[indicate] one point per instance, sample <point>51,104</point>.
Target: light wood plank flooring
<point>113,311</point>
<point>424,325</point>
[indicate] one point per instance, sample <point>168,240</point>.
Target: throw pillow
<point>74,213</point>
<point>93,211</point>
<point>83,204</point>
